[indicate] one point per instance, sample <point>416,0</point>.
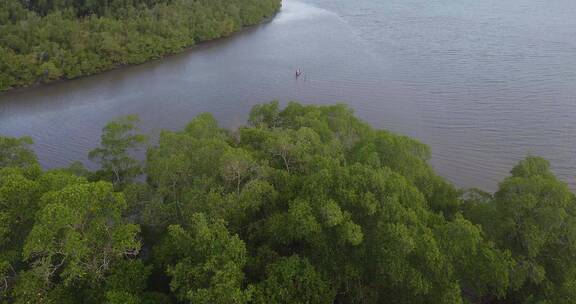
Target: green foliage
<point>265,115</point>
<point>482,267</point>
<point>119,138</point>
<point>293,280</point>
<point>298,182</point>
<point>14,152</point>
<point>306,204</point>
<point>99,7</point>
<point>204,262</point>
<point>47,40</point>
<point>127,282</point>
<point>78,233</point>
<point>534,216</point>
<point>19,195</point>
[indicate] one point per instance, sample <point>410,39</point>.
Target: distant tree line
<point>305,204</point>
<point>88,7</point>
<point>45,40</point>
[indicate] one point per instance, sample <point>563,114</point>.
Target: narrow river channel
<point>484,83</point>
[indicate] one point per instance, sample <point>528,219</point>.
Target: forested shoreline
<point>305,204</point>
<point>43,41</point>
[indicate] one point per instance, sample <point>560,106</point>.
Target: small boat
<point>298,73</point>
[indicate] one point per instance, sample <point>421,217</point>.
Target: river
<point>484,83</point>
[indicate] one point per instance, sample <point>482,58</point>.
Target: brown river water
<point>484,83</point>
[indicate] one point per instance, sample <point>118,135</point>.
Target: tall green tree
<point>293,280</point>
<point>15,152</point>
<point>119,139</point>
<point>204,262</point>
<point>533,215</point>
<point>79,233</point>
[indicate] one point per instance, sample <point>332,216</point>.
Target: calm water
<point>483,82</point>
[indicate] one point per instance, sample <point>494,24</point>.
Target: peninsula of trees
<point>305,204</point>
<point>46,40</point>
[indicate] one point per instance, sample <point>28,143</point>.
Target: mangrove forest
<point>302,204</point>
<point>47,40</point>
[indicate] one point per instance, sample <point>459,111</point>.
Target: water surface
<point>484,83</point>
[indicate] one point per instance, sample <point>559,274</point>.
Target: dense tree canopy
<point>45,40</point>
<point>305,204</point>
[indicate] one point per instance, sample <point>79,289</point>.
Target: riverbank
<point>60,46</point>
